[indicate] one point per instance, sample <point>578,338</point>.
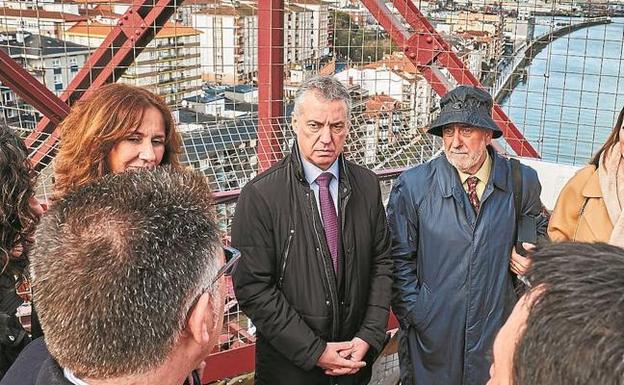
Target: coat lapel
<point>596,218</point>
<point>451,186</point>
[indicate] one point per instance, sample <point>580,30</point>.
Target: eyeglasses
<point>232,256</point>
<point>464,131</point>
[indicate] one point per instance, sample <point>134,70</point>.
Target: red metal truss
<point>270,81</point>
<point>430,53</point>
<point>135,29</point>
<point>14,76</point>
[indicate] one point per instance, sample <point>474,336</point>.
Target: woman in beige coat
<point>589,208</point>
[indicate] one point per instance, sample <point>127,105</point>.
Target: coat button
<point>327,303</point>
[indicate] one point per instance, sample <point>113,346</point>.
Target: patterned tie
<point>328,213</point>
<point>472,193</point>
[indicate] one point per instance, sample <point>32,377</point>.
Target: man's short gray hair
<point>326,86</point>
<point>117,265</point>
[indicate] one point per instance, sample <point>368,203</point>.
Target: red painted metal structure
<point>429,52</point>
<point>31,90</point>
<point>270,80</point>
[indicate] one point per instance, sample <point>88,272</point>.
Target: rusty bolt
<point>405,49</point>
<point>137,32</point>
<point>412,55</point>
<point>429,39</point>
<point>125,17</point>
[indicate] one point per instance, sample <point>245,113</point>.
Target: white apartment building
<point>229,43</point>
<point>38,21</point>
<point>229,38</point>
<point>319,36</point>
<point>395,76</point>
<point>168,66</point>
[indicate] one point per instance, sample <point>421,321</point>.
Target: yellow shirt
<point>483,175</point>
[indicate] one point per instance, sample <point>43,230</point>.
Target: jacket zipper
<point>343,208</point>
<point>332,295</point>
<point>283,272</point>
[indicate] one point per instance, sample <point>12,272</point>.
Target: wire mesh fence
<point>554,67</point>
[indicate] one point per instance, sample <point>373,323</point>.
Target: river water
<point>573,92</point>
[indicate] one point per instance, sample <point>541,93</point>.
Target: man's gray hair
<point>326,86</point>
<point>116,268</point>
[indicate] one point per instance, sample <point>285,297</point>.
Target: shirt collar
<point>312,172</point>
<point>69,375</point>
<point>483,174</point>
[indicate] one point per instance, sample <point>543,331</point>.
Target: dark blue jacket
<point>35,366</point>
<point>452,287</point>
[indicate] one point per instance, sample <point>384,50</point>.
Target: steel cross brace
<point>270,81</point>
<point>135,29</point>
<point>428,51</point>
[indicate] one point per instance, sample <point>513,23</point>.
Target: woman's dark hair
<point>17,218</point>
<point>612,140</point>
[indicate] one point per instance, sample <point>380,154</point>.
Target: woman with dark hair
<point>19,214</point>
<point>120,127</point>
<point>589,208</point>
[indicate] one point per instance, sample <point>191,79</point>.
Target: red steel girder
<point>135,29</point>
<point>14,76</point>
<point>430,53</point>
<point>270,81</point>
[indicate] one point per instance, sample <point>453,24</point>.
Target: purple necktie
<point>328,213</point>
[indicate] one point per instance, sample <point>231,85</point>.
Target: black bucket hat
<point>469,105</point>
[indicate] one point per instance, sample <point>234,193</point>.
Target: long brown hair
<point>17,217</point>
<point>612,140</point>
<point>96,124</point>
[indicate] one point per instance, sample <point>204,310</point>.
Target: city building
<point>168,66</point>
<point>397,77</point>
<point>229,38</point>
<point>38,21</point>
<point>52,61</point>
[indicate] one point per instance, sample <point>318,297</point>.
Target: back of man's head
<point>575,329</point>
<point>117,267</point>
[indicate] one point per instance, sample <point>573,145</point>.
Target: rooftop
<point>241,88</point>
<point>40,14</point>
<point>100,30</point>
<point>37,45</point>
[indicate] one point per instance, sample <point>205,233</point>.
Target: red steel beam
<point>430,52</point>
<point>270,80</point>
<point>229,363</point>
<point>14,76</point>
<point>135,29</point>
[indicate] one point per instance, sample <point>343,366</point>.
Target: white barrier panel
<point>552,176</point>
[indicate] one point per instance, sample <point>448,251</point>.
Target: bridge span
<point>524,54</point>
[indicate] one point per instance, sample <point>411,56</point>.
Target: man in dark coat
<point>452,221</point>
<point>315,272</point>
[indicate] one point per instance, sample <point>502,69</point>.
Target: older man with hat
<point>453,224</point>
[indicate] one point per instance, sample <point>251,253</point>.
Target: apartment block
<point>168,66</point>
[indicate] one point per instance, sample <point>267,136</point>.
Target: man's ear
<point>294,123</point>
<point>488,137</point>
<point>201,320</point>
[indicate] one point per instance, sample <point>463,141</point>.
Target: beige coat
<point>580,213</point>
